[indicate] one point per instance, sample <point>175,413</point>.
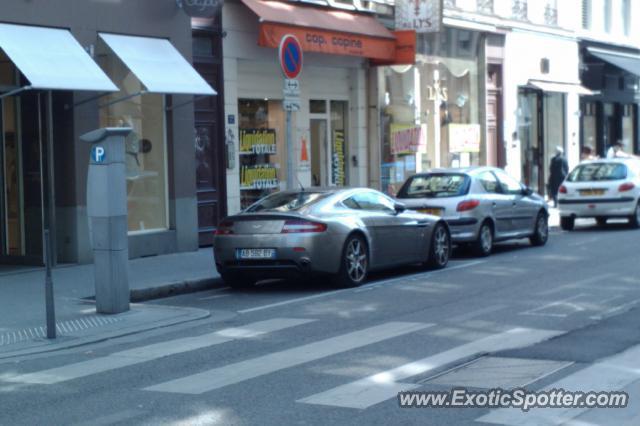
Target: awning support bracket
<point>122,99</point>
<point>87,100</point>
<point>15,91</point>
<point>181,104</point>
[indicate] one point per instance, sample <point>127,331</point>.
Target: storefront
<point>610,114</point>
<point>541,104</point>
<point>431,111</point>
<point>61,77</point>
<point>330,128</point>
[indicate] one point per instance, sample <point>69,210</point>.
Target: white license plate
<point>256,253</point>
<point>432,211</point>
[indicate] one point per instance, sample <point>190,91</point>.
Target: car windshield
<point>435,185</point>
<point>597,172</point>
<point>286,201</point>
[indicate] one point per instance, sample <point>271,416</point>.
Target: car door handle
<point>493,204</point>
<point>514,204</point>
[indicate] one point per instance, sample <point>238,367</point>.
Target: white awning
<point>52,59</point>
<point>158,65</point>
<point>561,87</point>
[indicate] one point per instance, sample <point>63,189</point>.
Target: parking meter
<point>107,211</point>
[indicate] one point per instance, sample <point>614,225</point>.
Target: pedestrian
<point>617,150</point>
<point>557,172</point>
<point>587,153</point>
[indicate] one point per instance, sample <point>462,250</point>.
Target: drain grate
<point>64,328</point>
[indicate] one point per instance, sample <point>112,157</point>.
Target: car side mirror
<point>399,207</point>
<point>527,191</point>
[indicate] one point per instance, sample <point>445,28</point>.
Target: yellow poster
<point>464,137</point>
<point>257,141</point>
<point>259,177</point>
<point>338,163</point>
<point>407,138</point>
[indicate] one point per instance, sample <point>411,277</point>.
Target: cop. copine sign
<point>423,16</point>
<point>200,8</point>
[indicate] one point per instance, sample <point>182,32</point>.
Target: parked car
<point>344,233</point>
<point>480,204</point>
<point>601,189</point>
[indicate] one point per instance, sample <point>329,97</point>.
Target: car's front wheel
<point>354,263</point>
<point>634,219</point>
<point>440,247</point>
<point>483,245</point>
<point>541,233</point>
<point>237,281</point>
<point>567,223</point>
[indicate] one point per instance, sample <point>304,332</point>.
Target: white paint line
<point>469,315</point>
<point>385,385</point>
<point>556,304</point>
<point>611,374</point>
<point>574,284</point>
<point>376,284</point>
<point>615,309</point>
<point>155,351</point>
<point>215,296</point>
<point>245,370</point>
<point>113,418</point>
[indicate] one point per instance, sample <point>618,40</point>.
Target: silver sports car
<point>480,204</point>
<point>344,233</point>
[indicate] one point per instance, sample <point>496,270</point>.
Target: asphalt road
<point>296,354</point>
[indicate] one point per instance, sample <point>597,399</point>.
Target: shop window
<point>145,146</point>
<point>318,106</point>
<point>262,148</point>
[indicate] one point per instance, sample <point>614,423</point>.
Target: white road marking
<point>155,351</point>
<point>111,419</point>
<point>376,284</point>
<point>559,303</point>
<point>573,285</point>
<point>245,370</point>
<point>611,374</point>
<point>385,385</point>
<point>215,296</point>
<point>472,314</point>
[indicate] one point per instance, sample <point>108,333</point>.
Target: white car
<point>601,189</point>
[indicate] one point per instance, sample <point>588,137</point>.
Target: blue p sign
<point>98,154</point>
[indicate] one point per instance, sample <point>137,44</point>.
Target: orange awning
<point>321,30</point>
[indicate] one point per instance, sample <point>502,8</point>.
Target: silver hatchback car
<point>480,204</point>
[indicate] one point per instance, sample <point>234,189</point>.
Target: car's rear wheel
<point>634,220</point>
<point>237,281</point>
<point>601,220</point>
<point>354,263</point>
<point>483,245</point>
<point>541,232</point>
<point>440,247</point>
<point>567,223</point>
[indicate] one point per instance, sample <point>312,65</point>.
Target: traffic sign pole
<point>290,56</point>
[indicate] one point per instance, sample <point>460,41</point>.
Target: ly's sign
<point>200,8</point>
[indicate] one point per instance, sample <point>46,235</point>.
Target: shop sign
<point>423,16</point>
<point>263,176</point>
<point>464,137</point>
<point>408,138</point>
<point>337,161</point>
<point>257,141</point>
<point>329,42</point>
<point>200,8</point>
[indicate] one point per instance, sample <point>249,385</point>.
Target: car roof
<point>623,160</point>
<point>471,170</point>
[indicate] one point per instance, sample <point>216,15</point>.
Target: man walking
<point>557,172</point>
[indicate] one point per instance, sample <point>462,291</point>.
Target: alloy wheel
<point>486,239</point>
<point>442,245</point>
<point>542,228</point>
<point>356,259</point>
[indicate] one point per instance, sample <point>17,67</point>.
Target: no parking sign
<point>290,56</point>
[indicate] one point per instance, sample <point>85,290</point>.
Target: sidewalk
<point>22,303</point>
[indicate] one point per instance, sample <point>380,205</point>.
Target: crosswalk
<point>362,393</point>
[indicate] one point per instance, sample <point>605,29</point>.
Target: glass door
<point>319,158</point>
<point>329,142</point>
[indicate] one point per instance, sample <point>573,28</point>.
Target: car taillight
<point>297,226</point>
<point>562,189</point>
<point>627,186</point>
<point>464,206</point>
<point>224,228</point>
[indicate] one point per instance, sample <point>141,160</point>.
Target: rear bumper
<point>592,207</point>
<point>463,229</point>
<point>295,254</point>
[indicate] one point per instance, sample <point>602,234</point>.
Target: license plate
<point>588,192</point>
<point>433,211</point>
<point>256,253</point>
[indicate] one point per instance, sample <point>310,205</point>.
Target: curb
<point>173,289</point>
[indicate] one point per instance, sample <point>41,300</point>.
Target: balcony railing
<point>485,6</point>
<point>551,13</point>
<point>519,10</point>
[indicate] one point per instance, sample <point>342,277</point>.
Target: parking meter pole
<point>48,288</point>
<point>290,154</point>
<point>107,211</point>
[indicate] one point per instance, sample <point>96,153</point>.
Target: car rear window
<point>286,201</point>
<point>598,172</point>
<point>435,185</point>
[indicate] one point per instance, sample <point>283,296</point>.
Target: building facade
<point>63,74</point>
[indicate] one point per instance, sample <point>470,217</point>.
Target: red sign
<point>290,55</point>
<point>323,41</point>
